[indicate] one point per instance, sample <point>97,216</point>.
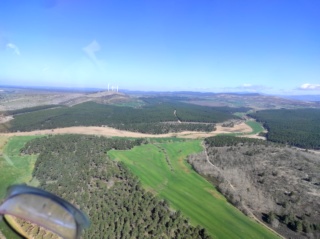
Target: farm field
<point>163,170</point>
<point>255,126</point>
<point>14,168</point>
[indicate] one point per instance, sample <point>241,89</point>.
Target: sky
<point>267,46</point>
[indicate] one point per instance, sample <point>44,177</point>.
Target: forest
<point>276,183</point>
<point>296,127</point>
<point>183,102</point>
<point>154,117</point>
<point>30,109</point>
<point>226,140</point>
<point>77,168</point>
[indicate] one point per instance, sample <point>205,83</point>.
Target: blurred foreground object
<point>44,209</point>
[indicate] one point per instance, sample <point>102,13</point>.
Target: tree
<point>298,226</point>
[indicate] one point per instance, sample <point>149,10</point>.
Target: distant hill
<point>255,101</point>
<point>302,97</point>
<point>184,93</point>
<point>13,98</point>
<point>102,97</point>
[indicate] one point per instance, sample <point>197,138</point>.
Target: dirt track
<point>111,132</point>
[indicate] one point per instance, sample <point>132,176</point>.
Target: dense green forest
<point>155,117</point>
<point>30,109</point>
<point>297,127</point>
<point>162,128</point>
<point>77,169</point>
<point>182,103</point>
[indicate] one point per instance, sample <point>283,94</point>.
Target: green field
<point>14,168</point>
<point>255,126</point>
<point>163,170</point>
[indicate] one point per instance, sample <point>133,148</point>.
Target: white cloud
<point>308,86</point>
<point>13,47</point>
<point>246,86</point>
<point>91,50</point>
<point>251,87</point>
<point>99,64</point>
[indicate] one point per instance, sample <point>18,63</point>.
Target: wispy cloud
<point>308,86</point>
<point>251,87</point>
<point>13,47</point>
<point>91,51</point>
<point>84,69</point>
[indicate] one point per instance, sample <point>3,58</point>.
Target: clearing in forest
<point>186,190</point>
<point>255,126</point>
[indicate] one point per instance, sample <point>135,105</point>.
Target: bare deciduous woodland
<point>278,184</point>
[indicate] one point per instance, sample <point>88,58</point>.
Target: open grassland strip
<point>153,159</point>
<point>240,114</point>
<point>19,167</point>
<point>19,170</point>
<point>256,127</point>
<point>166,156</point>
<point>187,191</point>
<point>8,159</point>
<point>3,142</point>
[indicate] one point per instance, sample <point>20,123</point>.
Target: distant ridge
<point>189,93</point>
<point>49,88</point>
<point>302,97</point>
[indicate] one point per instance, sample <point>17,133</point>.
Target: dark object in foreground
<point>45,209</point>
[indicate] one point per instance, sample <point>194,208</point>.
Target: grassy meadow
<point>163,170</point>
<point>255,126</point>
<point>14,169</point>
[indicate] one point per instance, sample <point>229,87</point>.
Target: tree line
<point>30,109</point>
<point>297,127</point>
<point>226,140</point>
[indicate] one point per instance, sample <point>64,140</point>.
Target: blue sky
<point>270,46</point>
